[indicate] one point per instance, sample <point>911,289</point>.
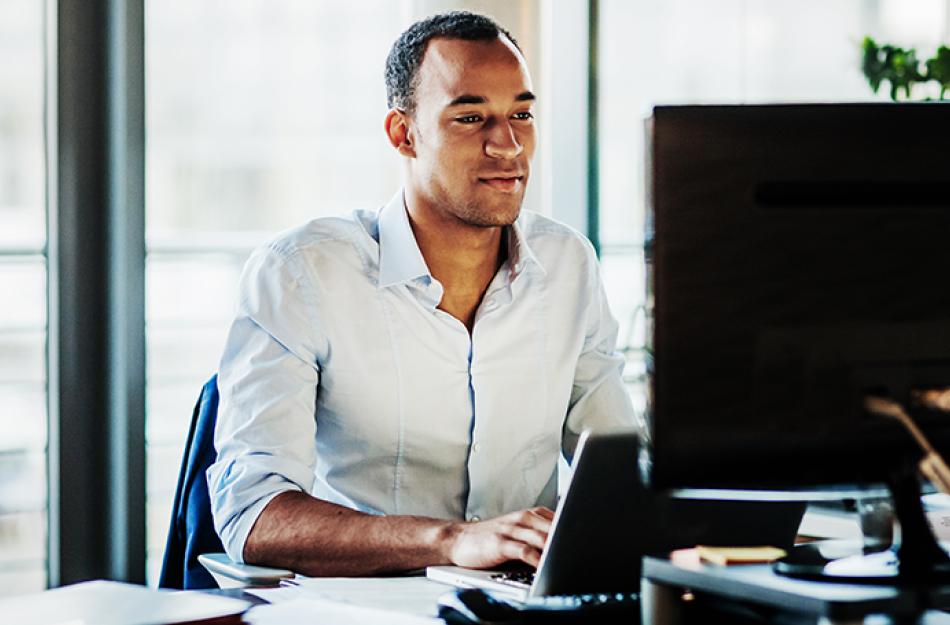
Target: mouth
<point>504,184</point>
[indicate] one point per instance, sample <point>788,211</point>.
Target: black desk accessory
<point>918,560</point>
<point>473,605</point>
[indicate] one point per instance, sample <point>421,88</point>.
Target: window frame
<point>96,296</point>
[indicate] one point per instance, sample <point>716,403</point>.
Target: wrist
<point>447,536</point>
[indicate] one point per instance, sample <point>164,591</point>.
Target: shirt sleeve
<point>267,384</point>
<point>599,397</point>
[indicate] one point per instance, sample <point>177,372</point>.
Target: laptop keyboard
<point>520,579</point>
<point>592,602</point>
<point>471,605</point>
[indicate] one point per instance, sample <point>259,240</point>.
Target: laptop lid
<point>594,545</point>
<point>608,520</point>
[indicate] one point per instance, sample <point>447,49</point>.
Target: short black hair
<point>405,57</point>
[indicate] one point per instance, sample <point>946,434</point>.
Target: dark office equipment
<point>798,257</point>
<point>191,532</point>
<point>475,605</point>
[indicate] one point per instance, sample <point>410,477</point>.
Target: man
<point>397,385</point>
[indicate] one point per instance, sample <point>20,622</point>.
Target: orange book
<point>739,555</point>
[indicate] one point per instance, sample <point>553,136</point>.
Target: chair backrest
<point>191,532</point>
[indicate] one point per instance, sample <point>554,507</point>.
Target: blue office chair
<point>191,532</point>
<point>194,556</point>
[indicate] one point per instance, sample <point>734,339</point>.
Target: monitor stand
<point>917,560</point>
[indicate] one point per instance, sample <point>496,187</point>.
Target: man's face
<point>472,131</point>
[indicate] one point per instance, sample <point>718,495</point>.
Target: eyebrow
<point>525,96</point>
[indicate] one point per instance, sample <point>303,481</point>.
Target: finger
<point>547,513</point>
<point>514,550</point>
<point>534,520</point>
<point>534,538</point>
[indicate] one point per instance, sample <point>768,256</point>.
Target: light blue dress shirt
<point>341,377</point>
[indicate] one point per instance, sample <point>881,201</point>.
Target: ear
<point>399,132</point>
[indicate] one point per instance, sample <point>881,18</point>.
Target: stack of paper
<point>306,611</point>
<point>114,603</point>
<point>345,600</point>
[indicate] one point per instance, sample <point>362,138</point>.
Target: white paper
<point>307,611</point>
<point>276,595</point>
<point>936,501</point>
<point>409,595</point>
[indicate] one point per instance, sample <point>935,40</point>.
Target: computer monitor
<point>798,260</point>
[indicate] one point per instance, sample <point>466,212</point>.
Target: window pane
<point>190,299</point>
<point>22,521</point>
<point>22,184</point>
<point>23,423</point>
<point>259,112</point>
<point>23,419</point>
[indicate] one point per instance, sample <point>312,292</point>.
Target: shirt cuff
<point>236,535</point>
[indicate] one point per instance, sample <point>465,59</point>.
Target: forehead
<point>454,67</point>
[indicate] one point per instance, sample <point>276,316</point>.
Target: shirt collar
<point>400,259</point>
<point>520,254</point>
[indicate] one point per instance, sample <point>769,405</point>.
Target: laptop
<point>607,521</point>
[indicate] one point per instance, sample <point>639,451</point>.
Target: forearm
<point>318,538</point>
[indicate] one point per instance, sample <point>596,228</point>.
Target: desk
<point>797,600</point>
<point>718,590</point>
<point>349,601</point>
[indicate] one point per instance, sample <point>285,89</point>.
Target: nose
<point>502,142</point>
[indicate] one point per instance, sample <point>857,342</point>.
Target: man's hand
<point>514,536</point>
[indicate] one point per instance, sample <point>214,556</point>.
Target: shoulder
<point>352,229</point>
<point>346,239</point>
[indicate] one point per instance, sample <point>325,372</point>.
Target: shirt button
<point>474,518</point>
<point>475,448</point>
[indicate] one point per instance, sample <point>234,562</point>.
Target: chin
<point>485,219</point>
<point>492,215</point>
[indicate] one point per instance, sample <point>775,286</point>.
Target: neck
<point>462,257</point>
<point>458,255</point>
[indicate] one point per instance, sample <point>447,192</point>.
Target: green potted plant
<point>902,69</point>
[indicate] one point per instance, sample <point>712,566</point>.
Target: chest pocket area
<point>358,411</point>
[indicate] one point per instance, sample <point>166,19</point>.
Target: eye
<point>523,115</point>
<point>469,119</point>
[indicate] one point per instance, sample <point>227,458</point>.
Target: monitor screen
<point>798,260</point>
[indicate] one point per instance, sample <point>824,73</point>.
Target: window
<point>23,313</point>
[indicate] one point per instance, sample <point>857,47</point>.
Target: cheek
<point>529,139</point>
<point>446,165</point>
<point>449,154</point>
<point>458,156</point>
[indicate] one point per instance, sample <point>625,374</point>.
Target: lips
<point>506,183</point>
